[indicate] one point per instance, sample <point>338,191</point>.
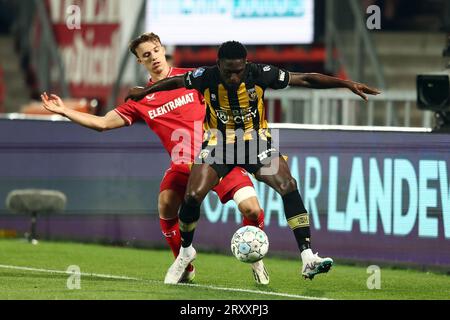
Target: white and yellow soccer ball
<point>249,244</point>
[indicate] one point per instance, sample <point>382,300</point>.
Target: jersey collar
<point>150,81</point>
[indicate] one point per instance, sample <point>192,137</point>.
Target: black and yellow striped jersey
<point>233,110</point>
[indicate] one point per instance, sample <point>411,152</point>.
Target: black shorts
<point>250,155</point>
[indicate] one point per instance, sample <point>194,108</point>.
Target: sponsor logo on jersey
<point>222,116</point>
<point>171,105</point>
<point>150,97</point>
<point>198,72</point>
<point>238,115</point>
<point>266,68</point>
<point>282,75</point>
<point>244,115</point>
<point>252,95</point>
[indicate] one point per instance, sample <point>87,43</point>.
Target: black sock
<point>298,219</point>
<point>188,217</point>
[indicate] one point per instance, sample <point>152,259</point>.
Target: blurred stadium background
<point>374,176</point>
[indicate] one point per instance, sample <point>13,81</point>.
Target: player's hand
<point>53,103</point>
<point>136,93</point>
<point>361,89</point>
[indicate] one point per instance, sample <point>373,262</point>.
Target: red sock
<point>258,223</point>
<point>171,232</point>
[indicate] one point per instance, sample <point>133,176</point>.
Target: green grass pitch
<point>30,272</point>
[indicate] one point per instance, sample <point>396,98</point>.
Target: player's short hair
<point>145,37</point>
<point>232,50</point>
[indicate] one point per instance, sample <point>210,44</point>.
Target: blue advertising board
<point>382,196</point>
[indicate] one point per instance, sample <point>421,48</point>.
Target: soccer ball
<point>249,244</point>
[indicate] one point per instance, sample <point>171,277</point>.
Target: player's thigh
<point>277,175</point>
<point>201,180</point>
<point>169,202</point>
<point>236,179</point>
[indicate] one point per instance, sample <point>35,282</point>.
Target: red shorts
<point>176,178</point>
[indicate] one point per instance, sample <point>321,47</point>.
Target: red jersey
<point>176,116</point>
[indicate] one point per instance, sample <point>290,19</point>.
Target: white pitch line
<point>97,275</point>
<point>268,293</point>
<point>108,276</point>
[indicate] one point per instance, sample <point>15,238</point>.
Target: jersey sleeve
<point>272,77</point>
<point>128,112</point>
<point>195,79</point>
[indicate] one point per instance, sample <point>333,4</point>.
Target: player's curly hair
<point>145,37</point>
<point>232,50</point>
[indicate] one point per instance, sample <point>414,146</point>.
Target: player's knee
<point>163,208</point>
<point>194,198</point>
<point>166,209</point>
<point>168,204</point>
<point>251,213</point>
<point>288,186</point>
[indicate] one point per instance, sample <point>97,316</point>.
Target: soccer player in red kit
<point>176,116</point>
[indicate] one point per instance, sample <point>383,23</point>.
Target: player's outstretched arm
<point>111,120</point>
<point>138,93</point>
<point>321,81</point>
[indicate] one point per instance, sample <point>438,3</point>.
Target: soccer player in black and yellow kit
<point>237,133</point>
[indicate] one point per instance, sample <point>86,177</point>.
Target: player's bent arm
<point>321,81</point>
<point>109,121</point>
<point>316,81</point>
<point>55,104</point>
<point>138,93</point>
